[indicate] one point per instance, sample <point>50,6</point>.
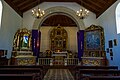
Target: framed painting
<point>3,53</point>
<point>110,44</point>
<point>107,50</point>
<point>94,38</point>
<point>115,42</point>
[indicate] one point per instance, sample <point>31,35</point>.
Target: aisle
<point>58,74</point>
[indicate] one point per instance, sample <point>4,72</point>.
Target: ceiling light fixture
<point>37,13</point>
<point>82,13</point>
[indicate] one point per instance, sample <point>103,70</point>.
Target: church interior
<point>59,40</point>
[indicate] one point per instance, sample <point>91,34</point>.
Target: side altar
<point>23,58</point>
<point>22,53</point>
<point>94,47</point>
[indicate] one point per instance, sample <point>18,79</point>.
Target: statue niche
<point>22,40</point>
<point>58,39</point>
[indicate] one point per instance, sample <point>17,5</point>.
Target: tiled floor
<point>58,74</point>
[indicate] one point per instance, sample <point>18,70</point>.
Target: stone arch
<point>60,10</point>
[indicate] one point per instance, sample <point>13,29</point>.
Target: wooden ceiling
<point>95,6</point>
<point>61,20</point>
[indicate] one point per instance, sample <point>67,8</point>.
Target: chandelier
<point>37,13</point>
<point>82,13</point>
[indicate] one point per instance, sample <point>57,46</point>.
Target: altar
<point>22,53</point>
<point>63,53</point>
<point>58,57</point>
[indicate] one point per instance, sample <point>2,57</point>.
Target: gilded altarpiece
<point>22,54</point>
<point>94,53</point>
<point>58,39</point>
<point>58,44</point>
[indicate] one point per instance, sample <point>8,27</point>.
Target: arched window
<point>1,7</point>
<point>118,18</point>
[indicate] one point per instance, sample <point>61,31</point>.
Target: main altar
<point>58,53</point>
<point>58,57</point>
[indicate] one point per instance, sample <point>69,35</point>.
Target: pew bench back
<point>99,70</point>
<point>96,67</point>
<point>101,78</point>
<point>23,70</point>
<point>19,77</point>
<point>90,72</point>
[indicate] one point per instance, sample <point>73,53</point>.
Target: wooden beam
<point>26,2</point>
<point>90,7</point>
<point>28,6</point>
<point>93,3</point>
<point>58,0</point>
<point>101,2</point>
<point>14,7</point>
<point>14,1</point>
<point>106,7</point>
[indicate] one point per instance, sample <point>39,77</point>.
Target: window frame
<point>117,14</point>
<point>1,11</point>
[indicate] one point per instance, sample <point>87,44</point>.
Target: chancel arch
<point>62,11</point>
<point>66,44</point>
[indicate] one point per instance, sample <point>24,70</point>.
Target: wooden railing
<point>71,61</point>
<point>45,61</point>
<point>49,61</point>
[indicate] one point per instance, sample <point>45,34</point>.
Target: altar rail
<point>49,61</point>
<point>45,61</point>
<point>71,61</point>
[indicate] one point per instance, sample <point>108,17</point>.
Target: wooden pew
<point>20,66</point>
<point>22,70</point>
<point>88,71</point>
<point>85,72</point>
<point>77,68</point>
<point>43,68</point>
<point>19,77</point>
<point>96,67</point>
<point>102,78</point>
